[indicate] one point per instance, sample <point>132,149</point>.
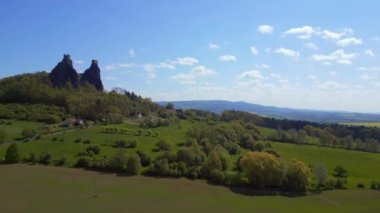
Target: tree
<point>320,174</point>
<point>262,169</point>
<point>163,145</point>
<point>297,176</point>
<point>133,164</point>
<point>3,135</point>
<point>12,154</point>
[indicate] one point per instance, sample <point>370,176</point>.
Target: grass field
<point>27,188</point>
<point>14,130</point>
<point>362,166</point>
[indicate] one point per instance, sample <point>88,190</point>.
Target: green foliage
<point>162,145</point>
<point>144,158</point>
<point>133,164</point>
<point>12,154</point>
<point>375,185</point>
<point>297,176</point>
<point>340,172</point>
<point>320,173</point>
<point>45,158</point>
<point>263,170</point>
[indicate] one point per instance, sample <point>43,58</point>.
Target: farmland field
<point>26,188</point>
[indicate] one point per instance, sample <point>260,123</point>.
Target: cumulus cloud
<point>304,32</point>
<point>287,52</point>
<point>191,77</point>
<point>188,61</point>
<point>265,29</point>
<point>213,46</point>
<point>227,58</point>
<point>254,50</point>
<point>338,56</point>
<point>119,66</point>
<point>369,52</point>
<point>250,75</point>
<point>330,35</point>
<point>349,42</point>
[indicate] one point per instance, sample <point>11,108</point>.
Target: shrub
<point>133,164</point>
<point>45,158</point>
<point>83,162</point>
<point>54,139</point>
<point>93,150</point>
<point>12,154</point>
<point>217,176</point>
<point>360,185</point>
<point>144,158</point>
<point>340,172</point>
<point>375,185</point>
<point>162,145</point>
<point>78,140</point>
<point>340,183</point>
<point>87,141</point>
<point>61,161</point>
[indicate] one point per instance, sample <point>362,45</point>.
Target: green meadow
<point>26,188</point>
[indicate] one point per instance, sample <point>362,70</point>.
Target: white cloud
<point>250,75</point>
<point>190,78</point>
<point>312,77</point>
<point>369,52</point>
<point>304,32</point>
<point>329,35</point>
<point>349,41</point>
<point>126,65</point>
<point>265,29</point>
<point>132,53</point>
<point>227,58</point>
<point>338,56</point>
<point>188,61</point>
<point>275,75</point>
<point>213,46</point>
<point>254,50</point>
<point>287,52</point>
<point>332,85</point>
<point>265,66</point>
<point>311,45</point>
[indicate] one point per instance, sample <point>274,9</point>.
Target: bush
<point>133,164</point>
<point>87,141</point>
<point>45,158</point>
<point>93,150</point>
<point>61,161</point>
<point>78,140</point>
<point>340,172</point>
<point>340,183</point>
<point>217,176</point>
<point>162,145</point>
<point>375,185</point>
<point>12,154</point>
<point>83,162</point>
<point>360,185</point>
<point>144,158</point>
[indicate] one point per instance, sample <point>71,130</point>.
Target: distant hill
<point>219,106</point>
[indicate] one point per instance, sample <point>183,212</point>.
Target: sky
<point>301,54</point>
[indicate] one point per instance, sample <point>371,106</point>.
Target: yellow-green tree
<point>297,176</point>
<point>263,170</point>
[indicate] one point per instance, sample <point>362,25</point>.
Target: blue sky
<point>300,54</point>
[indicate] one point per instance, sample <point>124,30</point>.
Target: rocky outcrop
<point>92,76</point>
<point>64,73</point>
